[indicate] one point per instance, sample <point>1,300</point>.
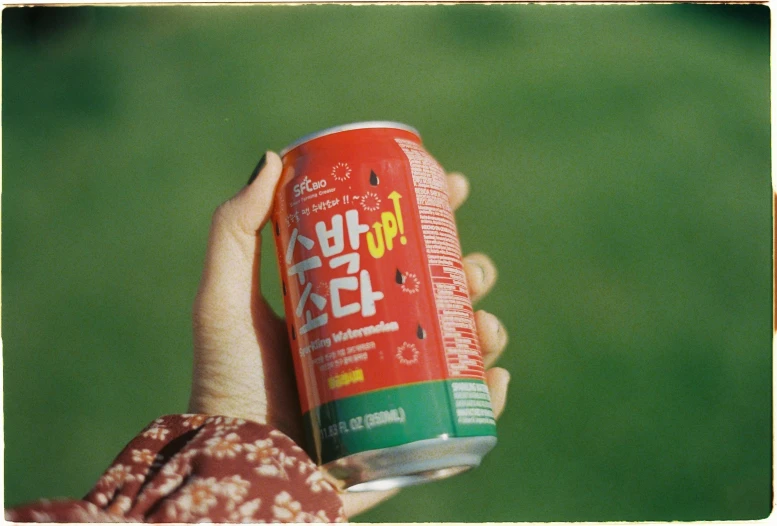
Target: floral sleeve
<point>199,468</point>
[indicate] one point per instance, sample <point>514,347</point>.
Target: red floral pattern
<point>196,468</point>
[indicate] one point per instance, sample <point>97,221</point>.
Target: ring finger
<point>492,335</point>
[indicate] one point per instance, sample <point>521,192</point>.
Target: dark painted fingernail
<point>258,169</point>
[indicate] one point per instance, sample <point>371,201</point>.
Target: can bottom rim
<point>408,480</point>
<point>409,464</point>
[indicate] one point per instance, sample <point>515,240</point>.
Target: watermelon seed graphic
<point>373,178</point>
<point>284,288</point>
<point>277,230</point>
<point>420,332</point>
<point>293,334</point>
<point>399,278</point>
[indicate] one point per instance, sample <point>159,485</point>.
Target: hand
<point>242,360</point>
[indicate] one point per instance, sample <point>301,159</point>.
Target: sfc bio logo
<point>306,186</point>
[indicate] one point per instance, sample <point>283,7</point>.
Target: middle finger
<point>481,274</point>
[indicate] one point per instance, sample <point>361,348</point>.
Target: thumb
<point>232,242</point>
<point>251,207</point>
<point>232,325</point>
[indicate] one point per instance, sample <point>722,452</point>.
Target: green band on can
<point>399,415</point>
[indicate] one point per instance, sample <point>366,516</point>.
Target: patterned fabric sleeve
<point>199,468</point>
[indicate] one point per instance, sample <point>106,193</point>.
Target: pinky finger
<point>498,379</point>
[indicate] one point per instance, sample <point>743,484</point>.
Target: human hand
<point>242,358</point>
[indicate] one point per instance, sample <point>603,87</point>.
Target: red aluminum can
<point>386,354</point>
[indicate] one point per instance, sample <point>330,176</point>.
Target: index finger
<point>458,189</point>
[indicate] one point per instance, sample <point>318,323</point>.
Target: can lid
<point>348,127</point>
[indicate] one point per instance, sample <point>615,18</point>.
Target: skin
<point>242,359</point>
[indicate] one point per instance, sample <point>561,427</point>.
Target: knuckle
<point>481,272</point>
<point>486,322</point>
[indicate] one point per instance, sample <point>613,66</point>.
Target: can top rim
<point>347,127</point>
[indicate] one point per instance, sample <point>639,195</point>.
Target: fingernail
<point>258,169</point>
<point>480,268</point>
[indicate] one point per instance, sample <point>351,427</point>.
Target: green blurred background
<point>620,166</point>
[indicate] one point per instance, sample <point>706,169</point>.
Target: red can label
<point>381,327</point>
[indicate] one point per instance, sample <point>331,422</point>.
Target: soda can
<point>386,354</point>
